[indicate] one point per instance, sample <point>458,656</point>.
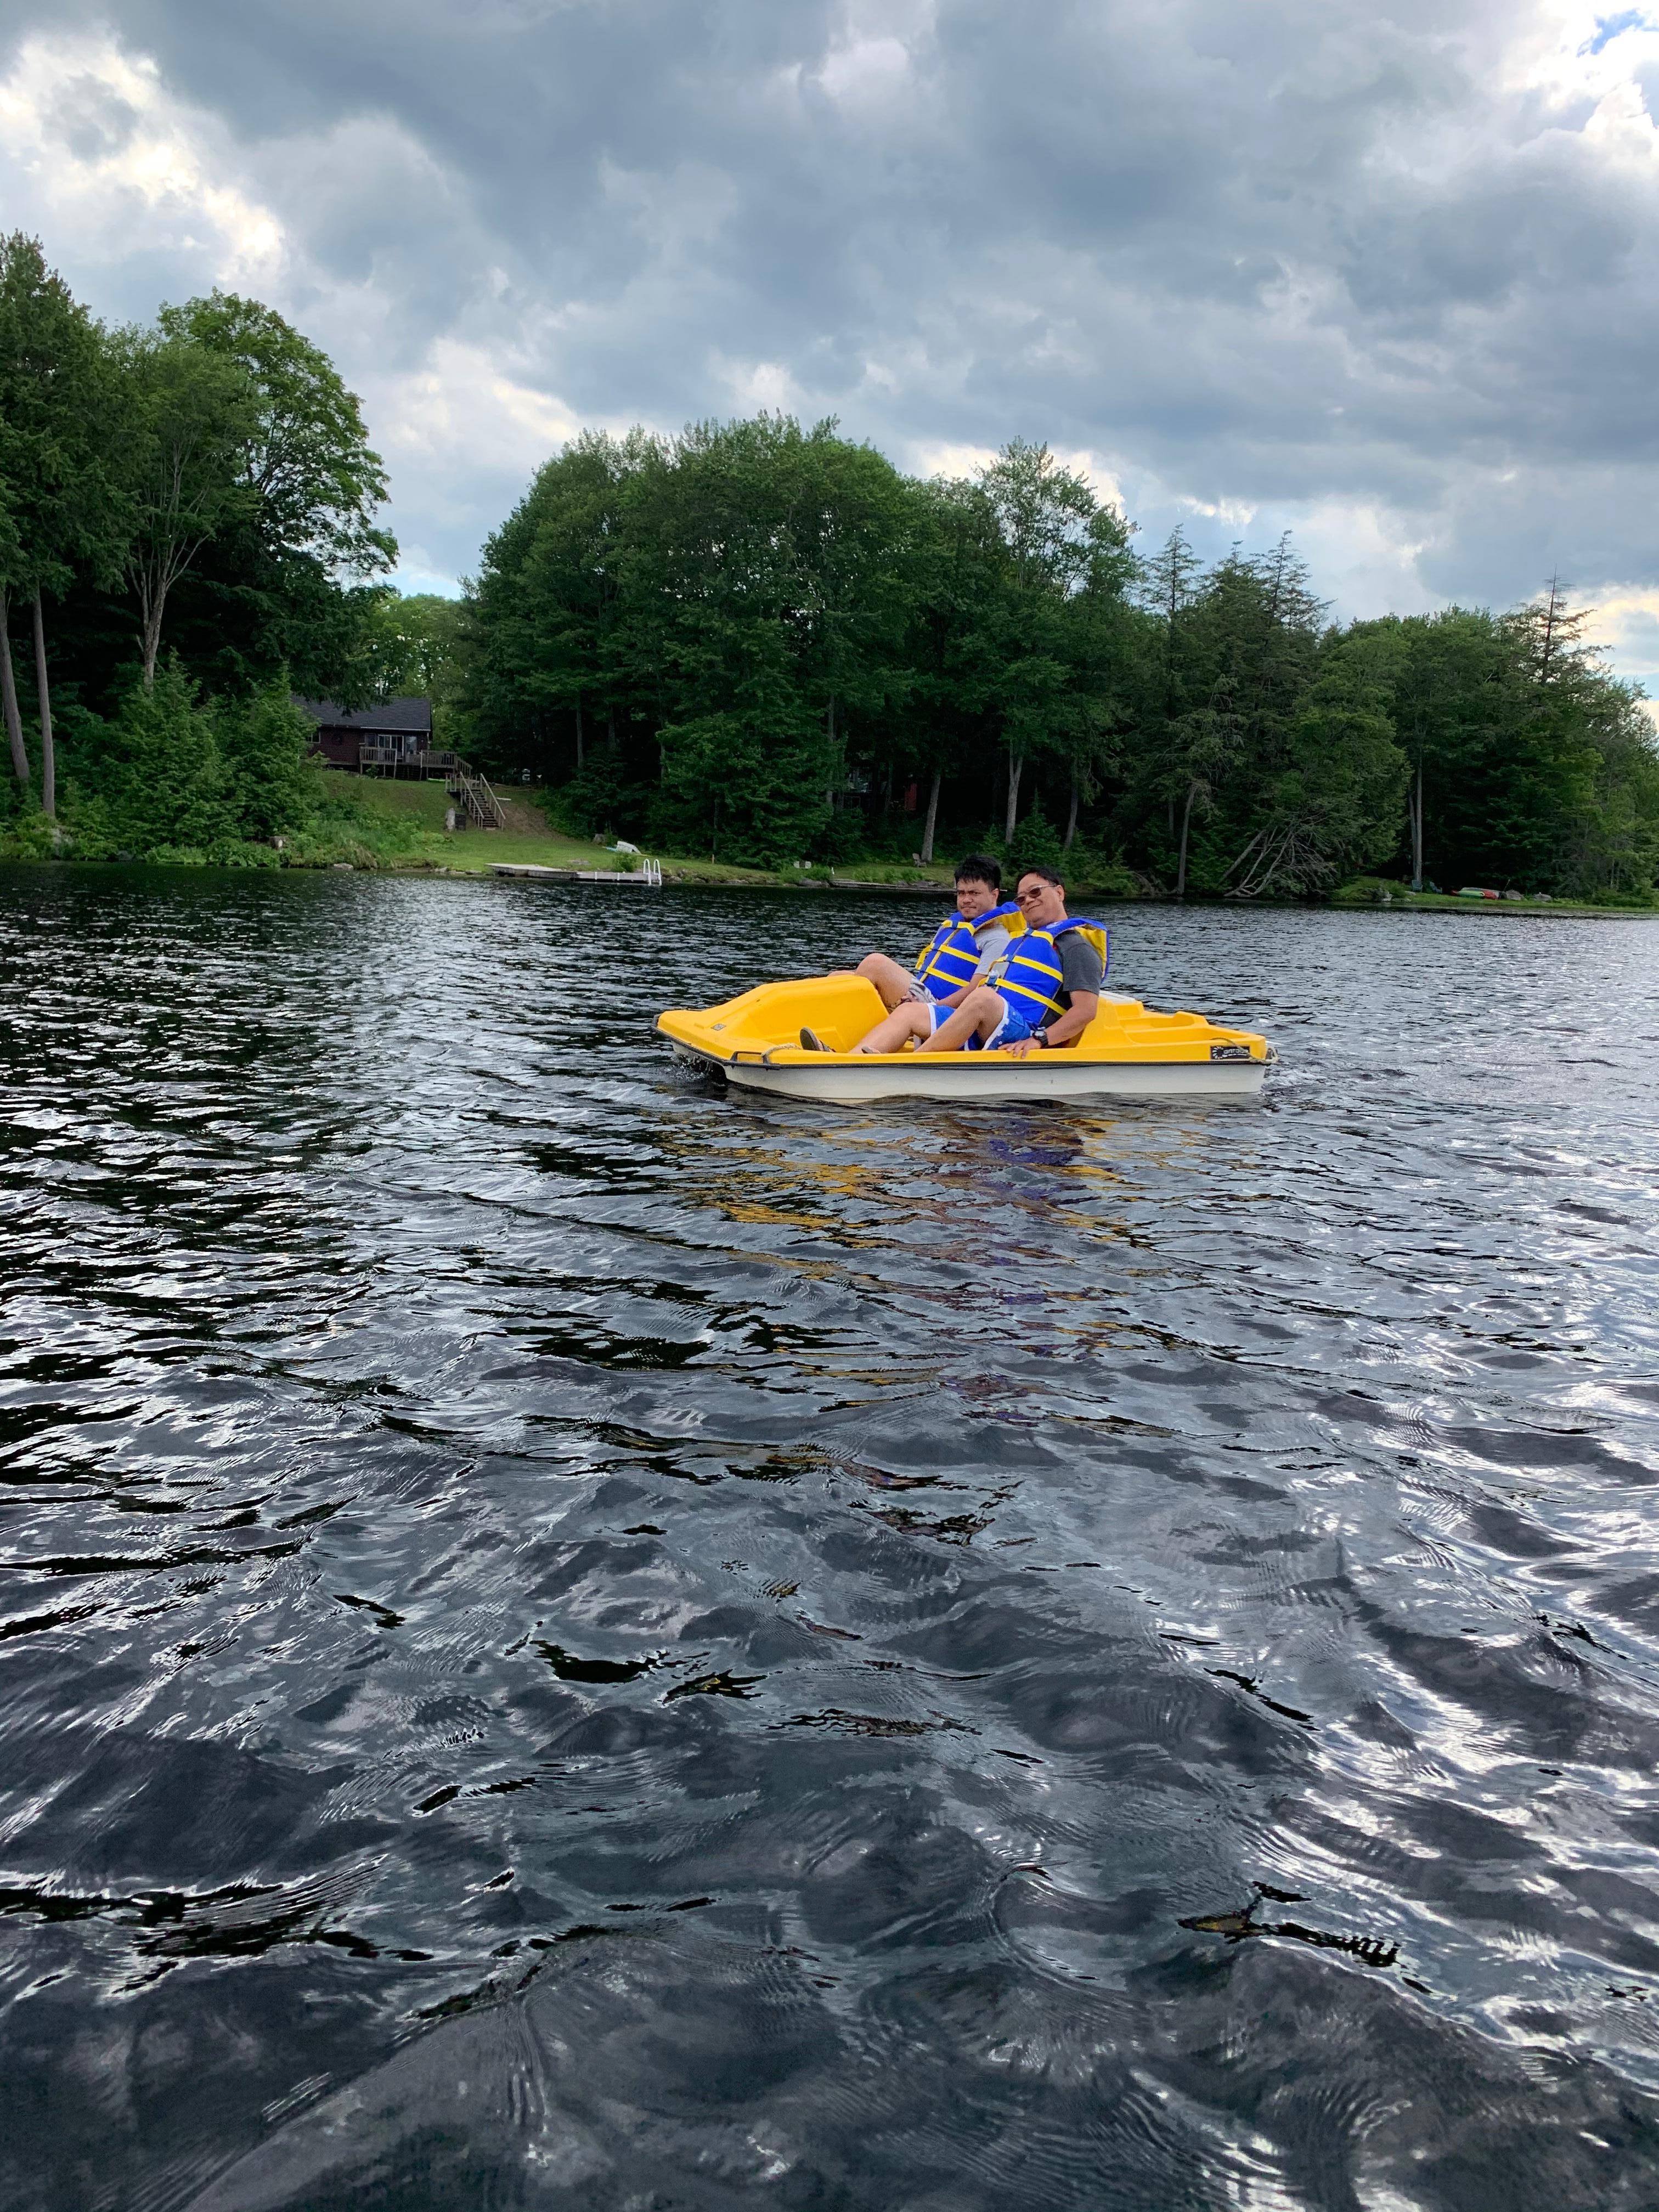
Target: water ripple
<point>570,1638</point>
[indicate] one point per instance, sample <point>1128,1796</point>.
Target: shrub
<point>27,836</point>
<point>165,782</point>
<point>1100,877</point>
<point>270,784</point>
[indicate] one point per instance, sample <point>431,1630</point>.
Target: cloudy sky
<point>1383,272</point>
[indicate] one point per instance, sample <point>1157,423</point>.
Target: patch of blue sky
<point>1609,28</point>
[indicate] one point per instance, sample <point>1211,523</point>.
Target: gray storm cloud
<point>1385,275</point>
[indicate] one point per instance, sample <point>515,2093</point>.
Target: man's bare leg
<point>895,1030</point>
<point>979,1015</point>
<point>892,981</point>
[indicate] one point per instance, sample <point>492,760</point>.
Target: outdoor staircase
<point>473,797</point>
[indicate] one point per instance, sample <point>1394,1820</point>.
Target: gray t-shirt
<point>1081,968</point>
<point>993,943</point>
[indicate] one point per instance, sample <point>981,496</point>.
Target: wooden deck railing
<point>475,799</point>
<point>431,760</point>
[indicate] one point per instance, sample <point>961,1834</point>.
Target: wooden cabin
<point>394,735</point>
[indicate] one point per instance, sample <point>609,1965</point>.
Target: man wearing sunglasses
<point>1043,993</point>
<point>1050,977</point>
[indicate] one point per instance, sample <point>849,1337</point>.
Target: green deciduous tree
<point>1060,541</point>
<point>305,457</point>
<point>247,441</point>
<point>193,413</point>
<point>410,645</point>
<point>1333,804</point>
<point>59,505</point>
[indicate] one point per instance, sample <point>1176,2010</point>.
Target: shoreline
<point>373,825</point>
<point>711,876</point>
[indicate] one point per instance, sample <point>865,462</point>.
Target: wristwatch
<point>1040,1039</point>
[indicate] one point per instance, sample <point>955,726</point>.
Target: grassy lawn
<point>402,824</point>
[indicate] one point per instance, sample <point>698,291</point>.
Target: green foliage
<point>1099,877</point>
<point>342,831</point>
<point>1035,844</point>
<point>406,646</point>
<point>750,640</point>
<point>58,500</point>
<point>61,421</point>
<point>269,781</point>
<point>26,835</point>
<point>173,779</point>
<point>163,782</point>
<point>598,795</point>
<point>204,484</point>
<point>304,458</point>
<point>190,415</point>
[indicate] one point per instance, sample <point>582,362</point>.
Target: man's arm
<point>1085,1005</point>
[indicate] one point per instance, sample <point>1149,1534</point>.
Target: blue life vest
<point>1030,979</point>
<point>948,963</point>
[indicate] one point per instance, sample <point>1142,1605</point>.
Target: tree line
<point>766,641</point>
<point>187,532</point>
<point>756,640</point>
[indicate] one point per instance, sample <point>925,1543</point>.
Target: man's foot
<point>812,1041</point>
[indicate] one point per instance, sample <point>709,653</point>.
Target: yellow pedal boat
<point>1127,1051</point>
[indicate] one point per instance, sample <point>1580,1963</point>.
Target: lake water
<point>571,1639</point>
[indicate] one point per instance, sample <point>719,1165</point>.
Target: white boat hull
<point>976,1079</point>
<point>796,1039</point>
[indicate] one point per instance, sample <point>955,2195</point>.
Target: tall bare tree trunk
<point>1070,819</point>
<point>152,638</point>
<point>48,757</point>
<point>1416,829</point>
<point>1016,769</point>
<point>20,759</point>
<point>933,817</point>
<point>1186,823</point>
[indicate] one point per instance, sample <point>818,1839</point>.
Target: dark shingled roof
<point>405,716</point>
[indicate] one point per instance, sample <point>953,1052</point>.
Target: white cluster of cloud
<point>1380,271</point>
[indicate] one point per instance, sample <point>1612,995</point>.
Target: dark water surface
<point>567,1639</point>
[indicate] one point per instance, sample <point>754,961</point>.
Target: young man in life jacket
<point>966,947</point>
<point>1043,993</point>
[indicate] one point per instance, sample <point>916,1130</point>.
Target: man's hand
<point>1062,1029</point>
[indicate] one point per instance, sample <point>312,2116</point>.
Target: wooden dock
<point>641,877</point>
